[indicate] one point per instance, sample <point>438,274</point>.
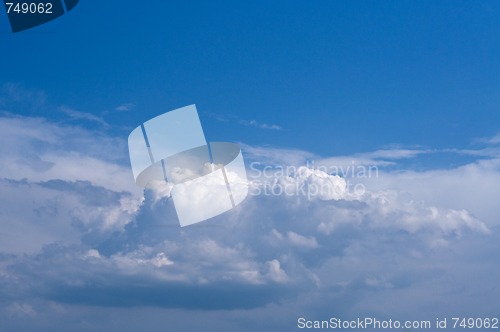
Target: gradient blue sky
<point>363,74</point>
<point>411,88</point>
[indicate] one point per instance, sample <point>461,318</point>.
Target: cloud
<point>220,117</point>
<point>20,309</point>
<point>254,123</point>
<point>494,140</point>
<point>302,241</point>
<point>77,115</point>
<point>248,123</point>
<point>16,94</point>
<point>125,107</point>
<point>299,234</point>
<point>60,183</point>
<point>36,214</point>
<point>336,164</point>
<point>38,150</point>
<point>276,156</point>
<point>472,187</point>
<point>394,154</point>
<point>80,243</point>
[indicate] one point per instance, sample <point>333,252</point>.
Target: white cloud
<point>275,271</point>
<point>57,179</point>
<point>38,150</point>
<point>342,165</point>
<point>490,140</point>
<point>125,107</point>
<point>394,153</point>
<point>248,123</point>
<point>302,241</point>
<point>77,115</point>
<point>472,187</point>
<point>277,156</point>
<point>312,183</point>
<point>254,123</point>
<point>95,242</point>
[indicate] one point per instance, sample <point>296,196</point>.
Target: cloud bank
<point>81,245</point>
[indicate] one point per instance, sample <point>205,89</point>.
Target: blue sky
<point>409,88</point>
<point>425,74</point>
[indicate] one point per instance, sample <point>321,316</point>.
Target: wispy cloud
<point>254,123</point>
<point>125,107</point>
<point>77,115</point>
<point>394,154</point>
<point>490,140</point>
<point>283,157</point>
<point>18,94</point>
<point>248,123</point>
<point>277,156</point>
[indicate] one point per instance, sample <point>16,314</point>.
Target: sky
<point>316,93</point>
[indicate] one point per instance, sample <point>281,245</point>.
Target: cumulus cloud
<point>472,187</point>
<point>302,241</point>
<point>60,183</point>
<point>79,237</point>
<point>38,150</point>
